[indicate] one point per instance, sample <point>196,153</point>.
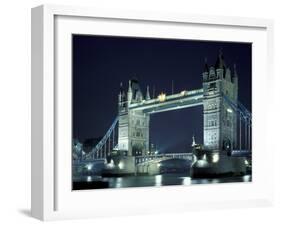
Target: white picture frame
<point>52,197</point>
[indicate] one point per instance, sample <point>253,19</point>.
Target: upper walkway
<point>165,102</point>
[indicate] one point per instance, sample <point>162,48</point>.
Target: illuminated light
<point>215,181</point>
<point>121,165</point>
<point>246,162</point>
<point>201,163</point>
<point>204,157</point>
<point>215,158</point>
<point>162,97</point>
<point>229,110</point>
<point>111,164</point>
<point>183,92</point>
<point>246,178</point>
<point>119,182</point>
<point>186,181</point>
<point>158,180</point>
<point>159,164</point>
<point>89,178</point>
<point>89,167</point>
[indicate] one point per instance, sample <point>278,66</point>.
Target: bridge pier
<point>150,168</point>
<point>217,165</point>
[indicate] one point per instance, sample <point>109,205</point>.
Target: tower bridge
<point>227,123</point>
<point>164,102</point>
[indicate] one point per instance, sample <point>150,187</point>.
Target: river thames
<point>94,182</point>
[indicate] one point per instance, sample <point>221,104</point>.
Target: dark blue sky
<point>100,63</point>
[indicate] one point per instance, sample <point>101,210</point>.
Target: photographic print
<point>157,112</point>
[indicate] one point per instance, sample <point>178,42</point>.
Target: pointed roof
<point>220,64</point>
<point>121,88</point>
<point>193,141</point>
<point>206,67</point>
<point>130,86</point>
<point>147,97</point>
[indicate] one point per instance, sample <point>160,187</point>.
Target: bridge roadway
<point>163,103</point>
<point>143,159</point>
<point>161,157</point>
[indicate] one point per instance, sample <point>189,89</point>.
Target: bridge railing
<point>184,93</point>
<point>148,158</point>
<point>103,147</point>
<point>244,123</point>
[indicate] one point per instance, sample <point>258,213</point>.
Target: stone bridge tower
<point>133,134</point>
<point>220,121</point>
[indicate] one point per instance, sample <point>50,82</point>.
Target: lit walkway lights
<point>183,92</point>
<point>162,97</point>
<point>229,110</point>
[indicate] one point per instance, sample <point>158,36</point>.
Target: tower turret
<point>193,141</point>
<point>130,92</point>
<point>122,101</point>
<point>206,67</point>
<point>139,96</point>
<point>205,70</point>
<point>121,94</point>
<point>220,64</point>
<point>147,97</point>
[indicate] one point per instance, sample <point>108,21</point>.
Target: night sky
<point>100,63</point>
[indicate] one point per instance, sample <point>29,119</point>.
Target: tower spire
<point>120,93</point>
<point>130,92</point>
<point>206,67</point>
<point>193,141</point>
<point>121,88</point>
<point>220,64</point>
<point>147,97</point>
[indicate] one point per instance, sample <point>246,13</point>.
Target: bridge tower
<point>133,133</point>
<point>123,128</point>
<point>220,121</point>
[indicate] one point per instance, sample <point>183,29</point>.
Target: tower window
<point>227,122</point>
<point>213,85</point>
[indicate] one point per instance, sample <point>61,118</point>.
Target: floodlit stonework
<point>220,121</point>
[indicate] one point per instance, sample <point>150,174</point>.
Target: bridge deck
<point>161,157</point>
<point>180,100</point>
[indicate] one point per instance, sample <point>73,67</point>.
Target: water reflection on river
<point>158,180</point>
